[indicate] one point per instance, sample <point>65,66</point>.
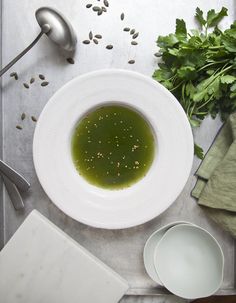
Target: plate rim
<point>138,76</point>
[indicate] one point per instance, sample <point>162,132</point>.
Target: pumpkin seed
<point>13,74</point>
<point>90,35</point>
<point>126,29</point>
<point>96,8</point>
<point>104,9</point>
<point>106,3</point>
<point>86,41</point>
<point>23,115</point>
<point>98,36</point>
<point>109,46</point>
<point>89,5</point>
<point>135,35</point>
<point>45,83</point>
<point>134,42</point>
<point>26,85</point>
<point>95,41</point>
<point>122,16</point>
<point>32,80</point>
<point>18,127</point>
<point>100,12</point>
<point>157,55</point>
<point>33,119</point>
<point>131,61</point>
<point>70,60</point>
<point>132,31</point>
<point>42,77</point>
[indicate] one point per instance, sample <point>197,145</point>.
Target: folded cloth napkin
<point>216,185</point>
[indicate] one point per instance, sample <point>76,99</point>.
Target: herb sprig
<point>199,67</point>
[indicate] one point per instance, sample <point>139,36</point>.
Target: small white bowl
<point>189,262</point>
<point>150,247</point>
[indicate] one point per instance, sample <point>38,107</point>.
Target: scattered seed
<point>18,127</point>
<point>131,61</point>
<point>89,5</point>
<point>100,12</point>
<point>132,31</point>
<point>32,80</point>
<point>33,119</point>
<point>104,9</point>
<point>70,60</point>
<point>96,8</point>
<point>122,16</point>
<point>135,35</point>
<point>106,3</point>
<point>90,35</point>
<point>45,83</point>
<point>109,46</point>
<point>157,54</point>
<point>26,85</point>
<point>134,43</point>
<point>14,75</point>
<point>42,77</point>
<point>95,41</point>
<point>86,41</point>
<point>98,36</point>
<point>23,115</point>
<point>126,29</point>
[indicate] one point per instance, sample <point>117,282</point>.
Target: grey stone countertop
<point>150,18</point>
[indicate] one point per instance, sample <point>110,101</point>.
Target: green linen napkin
<point>216,185</point>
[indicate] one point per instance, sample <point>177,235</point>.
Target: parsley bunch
<point>199,67</point>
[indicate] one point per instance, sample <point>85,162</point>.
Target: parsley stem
<point>191,113</point>
<point>199,113</point>
<point>216,47</point>
<point>212,63</point>
<point>205,103</point>
<point>178,85</point>
<point>183,92</point>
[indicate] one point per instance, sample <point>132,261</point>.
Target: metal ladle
<point>56,27</point>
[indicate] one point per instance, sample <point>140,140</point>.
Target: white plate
<point>98,207</point>
<point>189,261</point>
<point>149,251</point>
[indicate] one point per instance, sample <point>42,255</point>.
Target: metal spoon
<point>56,27</point>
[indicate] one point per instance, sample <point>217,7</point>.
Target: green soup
<point>113,147</point>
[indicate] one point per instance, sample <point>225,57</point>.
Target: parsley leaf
<point>180,29</point>
<point>214,18</point>
<point>199,17</point>
<point>199,68</point>
<point>198,151</point>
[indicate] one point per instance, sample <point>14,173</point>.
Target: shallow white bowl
<point>189,262</point>
<point>95,206</point>
<point>150,250</point>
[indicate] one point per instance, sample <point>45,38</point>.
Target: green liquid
<point>113,147</point>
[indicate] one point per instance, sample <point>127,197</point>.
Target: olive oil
<point>113,147</point>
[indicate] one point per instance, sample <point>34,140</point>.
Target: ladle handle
<point>45,29</point>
